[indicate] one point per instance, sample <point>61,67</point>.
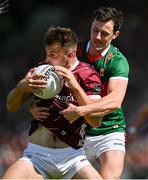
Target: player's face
<point>102,35</point>
<point>56,55</point>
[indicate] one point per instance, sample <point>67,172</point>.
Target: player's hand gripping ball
<point>54,82</point>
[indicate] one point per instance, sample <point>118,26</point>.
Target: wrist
<point>22,87</point>
<point>81,111</point>
<point>76,87</point>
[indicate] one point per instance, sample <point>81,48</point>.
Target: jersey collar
<point>74,65</point>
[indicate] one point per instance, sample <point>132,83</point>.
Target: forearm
<point>102,107</point>
<point>116,93</point>
<point>94,121</point>
<point>16,98</point>
<point>101,113</point>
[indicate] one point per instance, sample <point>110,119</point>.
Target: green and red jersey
<point>111,64</point>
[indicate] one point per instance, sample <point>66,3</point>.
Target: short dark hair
<point>109,13</point>
<point>65,36</point>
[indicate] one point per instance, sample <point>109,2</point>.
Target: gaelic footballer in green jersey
<point>110,64</point>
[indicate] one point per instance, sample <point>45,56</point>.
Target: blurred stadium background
<point>21,32</point>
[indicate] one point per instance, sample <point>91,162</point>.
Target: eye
<point>95,30</point>
<point>104,33</point>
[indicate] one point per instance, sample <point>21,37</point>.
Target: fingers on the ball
<point>37,82</point>
<point>42,117</point>
<point>35,76</point>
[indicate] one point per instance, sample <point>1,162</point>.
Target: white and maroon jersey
<point>72,134</point>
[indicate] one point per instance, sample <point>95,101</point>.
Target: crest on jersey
<point>102,72</point>
<point>108,57</point>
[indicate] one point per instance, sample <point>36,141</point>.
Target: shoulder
<point>115,59</point>
<point>116,63</point>
<point>86,73</point>
<point>88,78</point>
<point>117,54</point>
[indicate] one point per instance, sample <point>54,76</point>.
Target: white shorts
<point>61,163</point>
<point>96,145</point>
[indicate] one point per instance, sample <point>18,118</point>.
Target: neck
<point>73,64</point>
<point>94,52</point>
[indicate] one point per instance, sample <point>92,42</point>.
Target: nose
<point>98,35</point>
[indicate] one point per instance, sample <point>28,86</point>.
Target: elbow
<point>94,122</point>
<point>99,122</point>
<point>95,125</point>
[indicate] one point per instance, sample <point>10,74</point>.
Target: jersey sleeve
<point>119,67</point>
<point>90,81</point>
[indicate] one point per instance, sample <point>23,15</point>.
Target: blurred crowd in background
<point>21,33</point>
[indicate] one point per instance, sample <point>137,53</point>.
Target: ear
<point>70,54</point>
<point>116,34</point>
